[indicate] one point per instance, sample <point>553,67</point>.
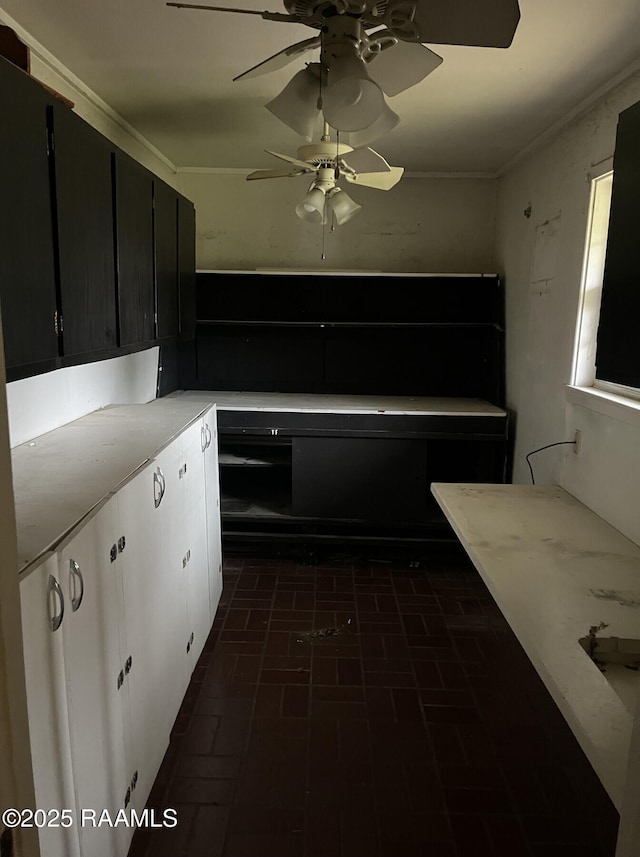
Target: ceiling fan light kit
<point>368,49</point>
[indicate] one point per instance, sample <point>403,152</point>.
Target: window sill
<point>609,404</point>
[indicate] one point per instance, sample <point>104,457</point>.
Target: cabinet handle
<point>121,544</point>
<point>120,681</point>
<point>158,487</point>
<point>113,553</point>
<point>128,665</point>
<point>203,438</point>
<point>54,589</point>
<point>75,574</point>
<point>208,436</point>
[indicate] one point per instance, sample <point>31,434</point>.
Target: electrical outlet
<point>577,442</point>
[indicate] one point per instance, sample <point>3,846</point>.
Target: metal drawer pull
<point>158,487</point>
<point>203,438</point>
<point>75,575</point>
<point>54,590</point>
<point>208,436</point>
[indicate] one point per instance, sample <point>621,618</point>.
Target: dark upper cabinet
<point>133,189</point>
<point>85,232</point>
<point>166,259</point>
<point>187,268</point>
<point>97,255</point>
<point>27,270</point>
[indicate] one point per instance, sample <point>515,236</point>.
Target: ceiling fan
<point>357,67</point>
<point>329,162</point>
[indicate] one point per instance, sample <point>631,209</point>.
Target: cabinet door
<point>147,521</point>
<point>166,249</point>
<point>134,249</point>
<point>88,571</point>
<point>171,544</point>
<point>194,540</point>
<point>187,267</point>
<point>84,212</point>
<point>43,607</point>
<point>212,505</point>
<point>27,272</point>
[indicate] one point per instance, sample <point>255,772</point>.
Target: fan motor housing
<point>318,154</point>
<point>371,10</point>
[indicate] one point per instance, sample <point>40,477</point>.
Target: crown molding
<point>575,113</point>
<point>53,64</point>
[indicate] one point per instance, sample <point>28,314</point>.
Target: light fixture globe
<point>342,206</point>
<point>311,208</point>
<point>351,100</point>
<point>296,105</point>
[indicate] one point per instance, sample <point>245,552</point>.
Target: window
<point>607,350</point>
<point>584,358</point>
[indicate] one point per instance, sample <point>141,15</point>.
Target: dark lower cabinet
<point>133,193</point>
<point>27,270</point>
<point>370,479</point>
<point>85,231</point>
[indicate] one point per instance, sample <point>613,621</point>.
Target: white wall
<point>541,258</point>
<point>44,402</point>
<point>433,225</point>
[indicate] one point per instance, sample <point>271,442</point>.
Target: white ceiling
<point>169,72</point>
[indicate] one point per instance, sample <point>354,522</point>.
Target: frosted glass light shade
<point>342,206</point>
<point>386,122</point>
<point>311,208</point>
<point>296,105</point>
<point>351,100</point>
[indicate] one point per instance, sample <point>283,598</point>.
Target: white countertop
<point>345,404</point>
<point>556,569</point>
<point>88,458</point>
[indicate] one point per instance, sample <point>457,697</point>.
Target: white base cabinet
<point>115,617</point>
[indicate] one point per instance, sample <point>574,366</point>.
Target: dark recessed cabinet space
<point>94,249</point>
<point>340,399</point>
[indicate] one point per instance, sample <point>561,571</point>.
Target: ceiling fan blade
<point>480,23</point>
<point>302,165</point>
<point>267,16</point>
<point>274,174</point>
<point>365,160</point>
<point>281,59</point>
<point>297,104</point>
<point>401,66</point>
<point>379,181</point>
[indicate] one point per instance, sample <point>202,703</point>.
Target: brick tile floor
<point>371,709</point>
